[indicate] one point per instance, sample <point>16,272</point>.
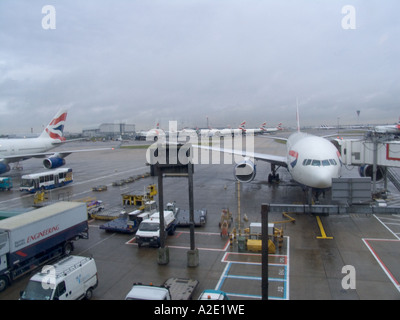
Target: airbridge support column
<point>165,162</point>
<point>264,246</point>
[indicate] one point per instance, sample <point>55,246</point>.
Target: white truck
<point>71,278</point>
<point>172,289</point>
<point>149,229</point>
<point>33,238</point>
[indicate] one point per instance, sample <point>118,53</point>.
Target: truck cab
<point>149,229</point>
<point>5,183</point>
<point>172,289</point>
<point>143,292</point>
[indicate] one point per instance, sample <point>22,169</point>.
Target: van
<point>71,278</point>
<point>149,229</point>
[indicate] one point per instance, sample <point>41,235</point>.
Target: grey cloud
<point>143,61</point>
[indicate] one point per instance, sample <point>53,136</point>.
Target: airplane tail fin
<point>55,129</point>
<point>242,126</point>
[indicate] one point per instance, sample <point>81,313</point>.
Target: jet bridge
<point>374,155</point>
<point>361,152</point>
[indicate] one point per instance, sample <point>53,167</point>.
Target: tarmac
<point>335,257</point>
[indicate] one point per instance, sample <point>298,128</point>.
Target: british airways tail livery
<point>55,129</point>
<point>15,150</point>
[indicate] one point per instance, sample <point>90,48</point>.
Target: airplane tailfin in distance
<point>55,129</point>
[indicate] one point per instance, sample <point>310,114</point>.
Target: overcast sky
<point>148,61</point>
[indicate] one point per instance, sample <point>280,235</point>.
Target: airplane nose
<point>323,180</point>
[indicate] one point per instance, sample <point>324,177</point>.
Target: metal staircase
<point>394,177</point>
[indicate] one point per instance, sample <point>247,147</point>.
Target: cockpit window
<point>316,163</point>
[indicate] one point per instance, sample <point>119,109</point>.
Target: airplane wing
<point>274,159</point>
<point>60,154</point>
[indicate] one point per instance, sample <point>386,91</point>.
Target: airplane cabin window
<point>325,163</point>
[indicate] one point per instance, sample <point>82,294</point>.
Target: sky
<point>147,61</point>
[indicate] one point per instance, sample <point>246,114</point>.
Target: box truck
<point>33,238</point>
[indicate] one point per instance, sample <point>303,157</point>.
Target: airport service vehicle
<point>46,180</point>
<point>213,295</point>
<point>94,207</point>
<point>149,229</point>
<point>183,217</point>
<point>172,289</point>
<point>72,278</point>
<point>129,222</point>
<point>33,238</point>
<point>5,183</point>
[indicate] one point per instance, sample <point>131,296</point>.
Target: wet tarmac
<point>304,267</point>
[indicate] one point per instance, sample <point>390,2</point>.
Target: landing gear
<point>273,176</point>
<point>312,195</point>
<point>317,193</point>
<point>17,166</point>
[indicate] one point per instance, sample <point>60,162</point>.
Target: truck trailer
<point>33,238</point>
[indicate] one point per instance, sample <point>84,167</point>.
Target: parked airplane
<point>326,127</point>
<point>312,161</point>
<point>264,129</point>
<point>150,135</point>
<point>15,150</point>
<point>223,132</point>
<point>389,129</point>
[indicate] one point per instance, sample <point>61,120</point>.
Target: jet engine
<point>367,171</point>
<point>53,162</point>
<point>245,171</point>
<point>4,168</point>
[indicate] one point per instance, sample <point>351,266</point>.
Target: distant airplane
<point>223,132</point>
<point>389,129</point>
<point>326,127</point>
<point>150,135</point>
<point>16,150</point>
<point>264,129</point>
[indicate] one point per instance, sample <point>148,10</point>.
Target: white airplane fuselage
<point>10,147</point>
<point>312,161</point>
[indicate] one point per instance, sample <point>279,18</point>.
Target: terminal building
<point>111,131</point>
